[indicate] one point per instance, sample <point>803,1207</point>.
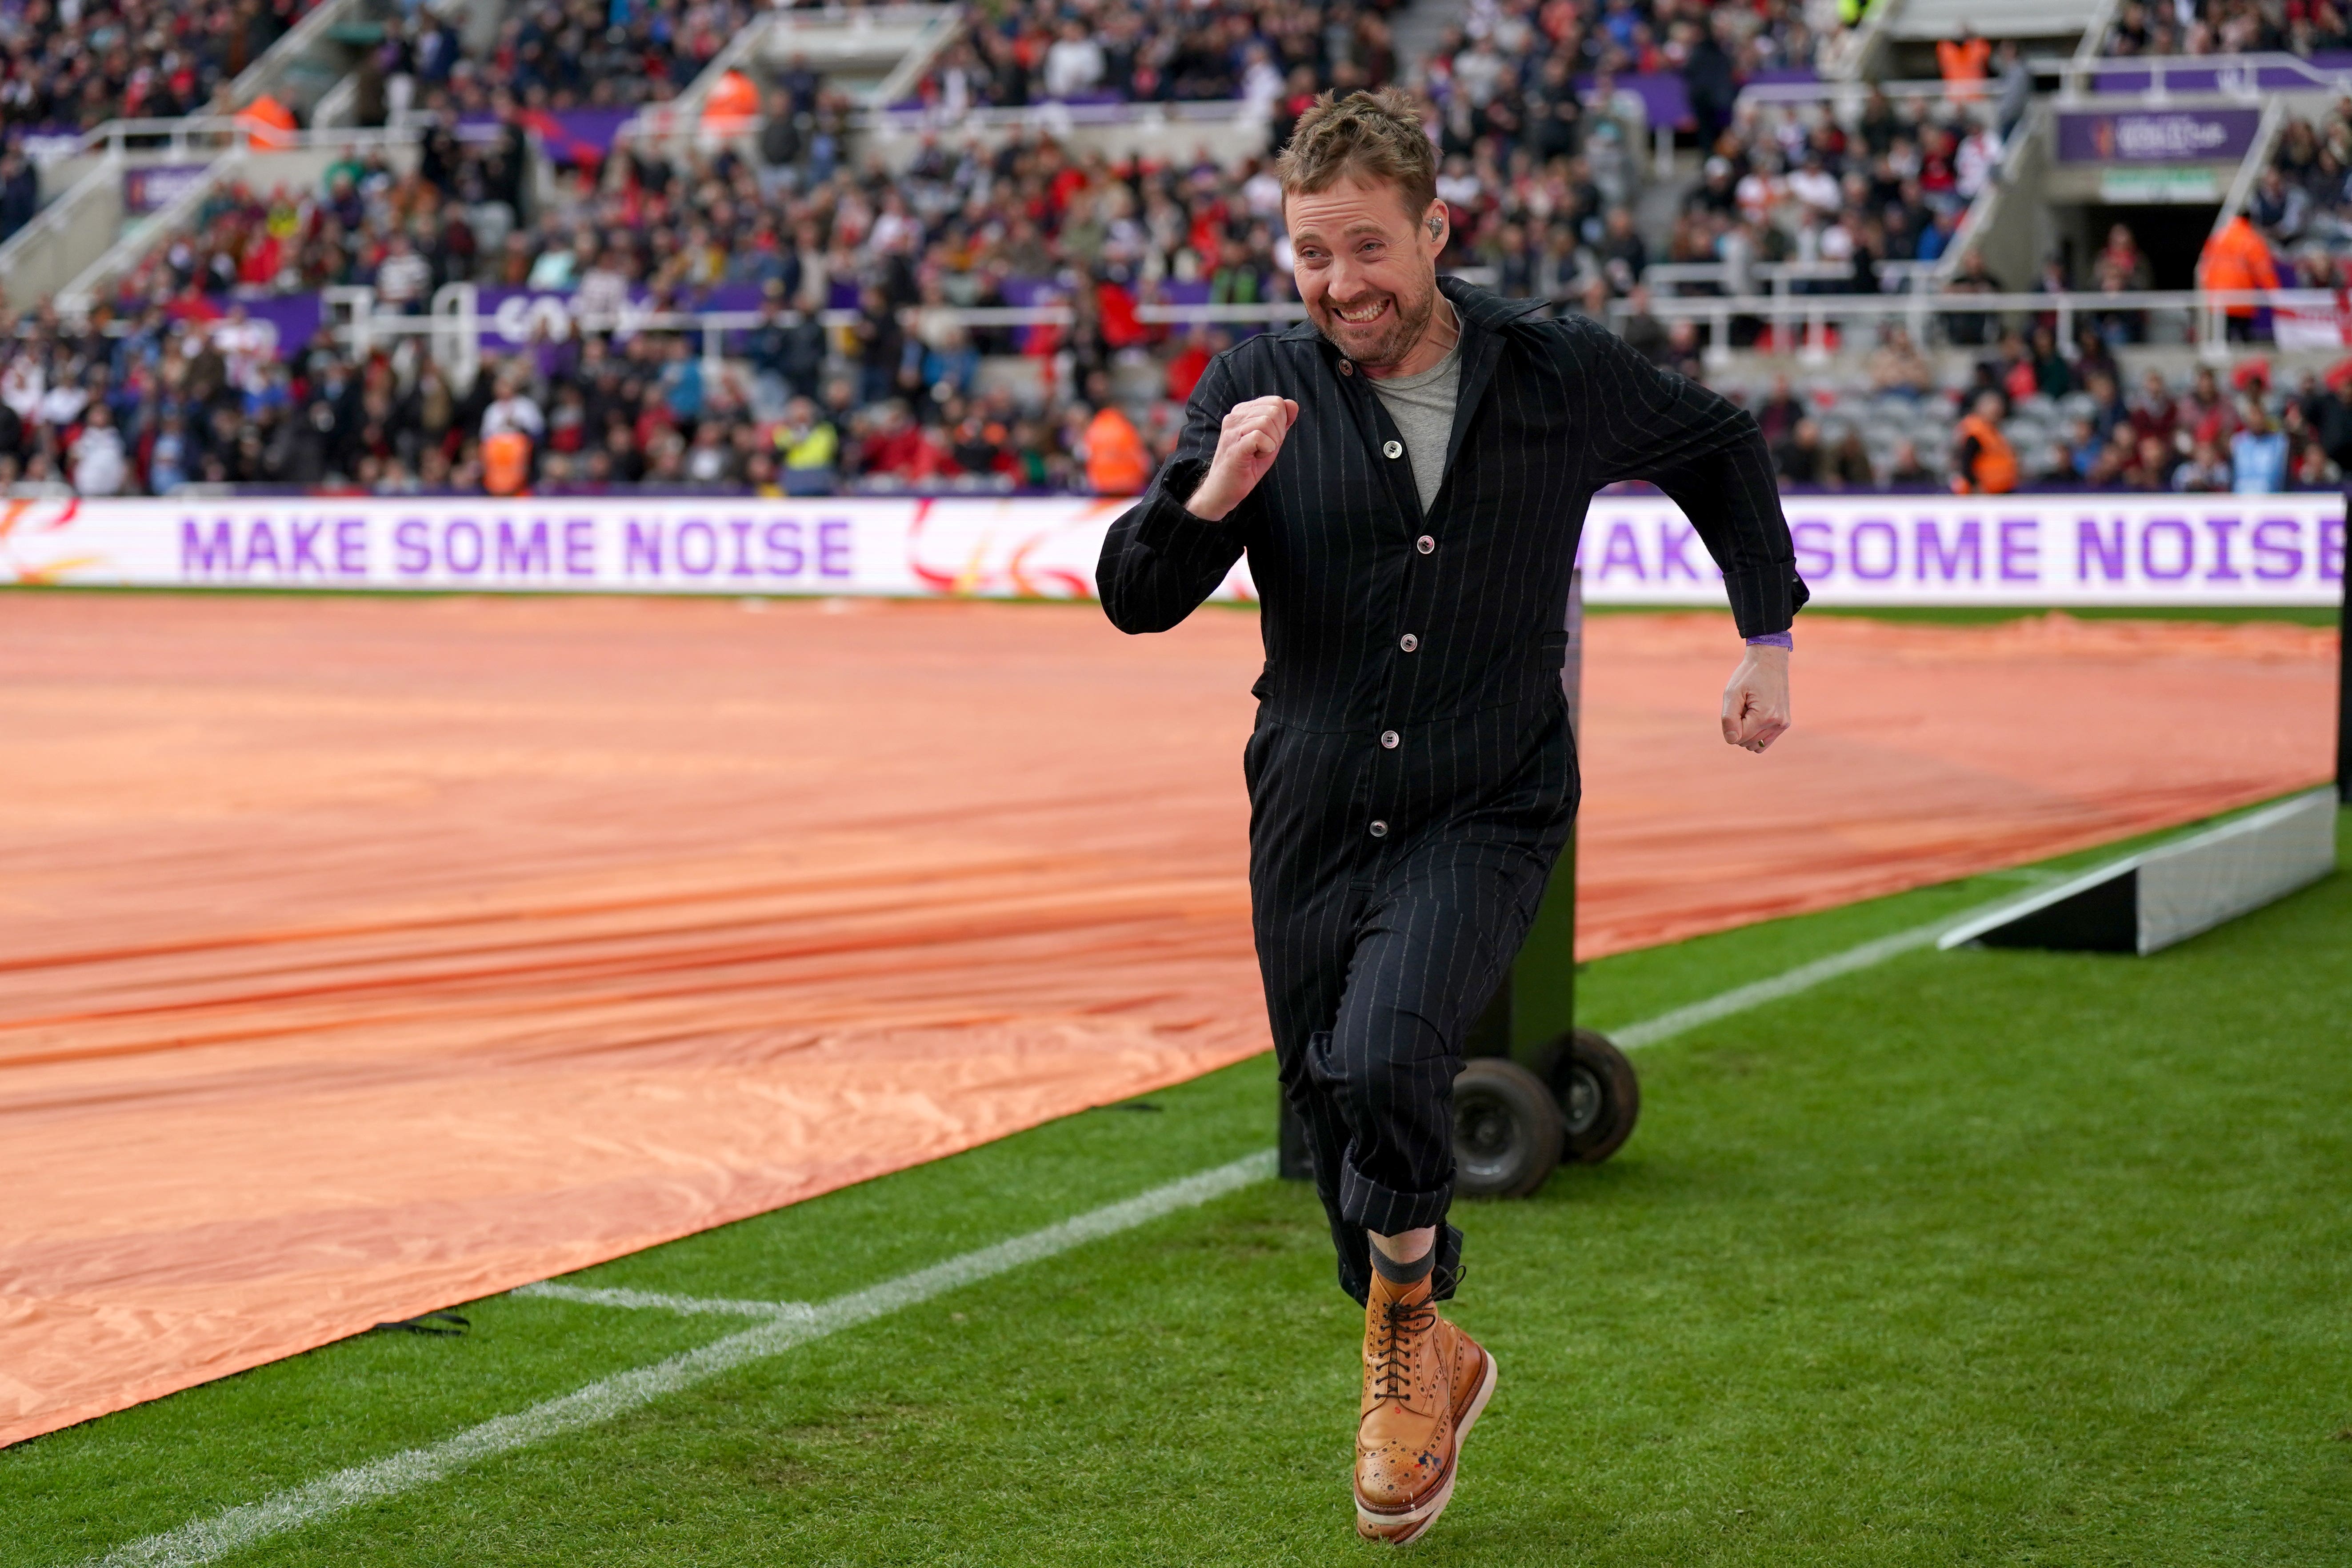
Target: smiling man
<point>1408,470</point>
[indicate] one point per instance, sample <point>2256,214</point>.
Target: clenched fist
<point>1247,447</point>
<point>1756,701</point>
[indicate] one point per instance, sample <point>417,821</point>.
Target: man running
<point>1408,470</point>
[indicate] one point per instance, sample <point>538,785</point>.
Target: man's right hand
<point>1247,447</point>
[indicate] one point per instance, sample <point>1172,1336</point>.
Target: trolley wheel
<point>1600,1098</point>
<point>1506,1130</point>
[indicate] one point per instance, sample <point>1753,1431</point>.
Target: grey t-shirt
<point>1423,407</point>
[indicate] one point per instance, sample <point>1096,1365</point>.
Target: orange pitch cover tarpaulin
<point>366,955</point>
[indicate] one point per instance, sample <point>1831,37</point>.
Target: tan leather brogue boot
<point>1474,1377</point>
<point>1426,1384</point>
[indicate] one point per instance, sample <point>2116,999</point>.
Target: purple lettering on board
<point>785,557</point>
<point>1968,546</point>
<point>2184,557</point>
<point>261,540</point>
<point>2021,550</point>
<point>1883,530</point>
<point>2224,529</point>
<point>742,529</point>
<point>302,540</point>
<point>689,534</point>
<point>466,528</point>
<point>833,549</point>
<point>200,552</point>
<point>641,549</point>
<point>1623,553</point>
<point>2108,547</point>
<point>2277,561</point>
<point>411,548</point>
<point>351,547</point>
<point>1675,541</point>
<point>2331,549</point>
<point>580,547</point>
<point>1816,561</point>
<point>524,554</point>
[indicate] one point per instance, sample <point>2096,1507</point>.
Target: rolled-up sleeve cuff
<point>1765,603</point>
<point>1384,1210</point>
<point>1170,531</point>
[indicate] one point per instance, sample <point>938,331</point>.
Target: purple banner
<point>569,135</point>
<point>2157,136</point>
<point>516,317</point>
<point>1665,96</point>
<point>159,185</point>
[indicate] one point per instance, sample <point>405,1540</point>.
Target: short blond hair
<point>1373,138</point>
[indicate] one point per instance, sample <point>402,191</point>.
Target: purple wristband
<point>1774,639</point>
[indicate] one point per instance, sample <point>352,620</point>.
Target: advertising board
<point>2017,549</point>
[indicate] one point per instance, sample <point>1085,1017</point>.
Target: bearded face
<point>1379,326</point>
<point>1367,271</point>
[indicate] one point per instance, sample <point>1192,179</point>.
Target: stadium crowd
<point>858,371</point>
<point>1798,185</point>
<point>895,394</point>
<point>2228,27</point>
<point>67,66</point>
<point>1018,54</point>
<point>582,54</point>
<point>2302,203</point>
<point>2018,424</point>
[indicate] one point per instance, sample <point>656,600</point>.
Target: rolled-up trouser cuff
<point>1384,1210</point>
<point>1356,1262</point>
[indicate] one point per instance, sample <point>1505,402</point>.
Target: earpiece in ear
<point>1436,226</point>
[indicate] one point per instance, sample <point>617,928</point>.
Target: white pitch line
<point>659,1301</point>
<point>232,1530</point>
<point>1804,977</point>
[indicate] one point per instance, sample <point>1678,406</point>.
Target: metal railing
<point>1802,321</point>
<point>205,135</point>
<point>455,321</point>
<point>1845,98</point>
<point>2234,76</point>
<point>1053,115</point>
<point>2203,314</point>
<point>457,332</point>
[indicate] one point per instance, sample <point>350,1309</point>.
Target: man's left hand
<point>1756,703</point>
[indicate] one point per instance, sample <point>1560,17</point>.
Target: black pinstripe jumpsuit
<point>1412,776</point>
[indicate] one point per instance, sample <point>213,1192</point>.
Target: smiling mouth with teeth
<point>1362,315</point>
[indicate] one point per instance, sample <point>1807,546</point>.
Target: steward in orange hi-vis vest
<point>506,462</point>
<point>1988,463</point>
<point>1116,462</point>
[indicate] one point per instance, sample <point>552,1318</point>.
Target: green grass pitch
<point>1972,1257</point>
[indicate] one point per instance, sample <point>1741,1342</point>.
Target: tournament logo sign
<point>39,543</point>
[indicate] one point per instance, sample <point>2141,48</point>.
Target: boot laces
<point>1398,1326</point>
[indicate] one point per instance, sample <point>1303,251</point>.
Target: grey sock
<point>1396,1273</point>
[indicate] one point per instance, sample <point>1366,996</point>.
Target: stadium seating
<point>794,313</point>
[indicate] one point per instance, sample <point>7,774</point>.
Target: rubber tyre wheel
<point>1506,1130</point>
<point>1599,1097</point>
